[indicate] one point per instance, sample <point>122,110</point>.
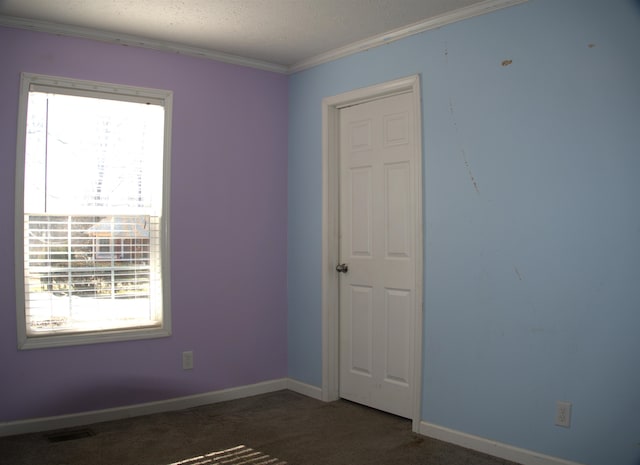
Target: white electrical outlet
<point>187,360</point>
<point>563,414</point>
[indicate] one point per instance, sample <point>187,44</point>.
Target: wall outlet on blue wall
<point>563,414</point>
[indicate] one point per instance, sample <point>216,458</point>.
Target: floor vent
<point>69,435</point>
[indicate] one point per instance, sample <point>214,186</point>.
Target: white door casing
<point>405,238</point>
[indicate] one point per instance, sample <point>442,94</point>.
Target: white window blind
<point>93,241</point>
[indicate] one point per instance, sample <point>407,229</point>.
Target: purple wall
<point>228,233</point>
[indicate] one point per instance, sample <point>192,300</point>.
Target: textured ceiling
<point>283,32</point>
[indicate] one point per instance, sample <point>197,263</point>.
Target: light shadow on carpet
<point>239,455</point>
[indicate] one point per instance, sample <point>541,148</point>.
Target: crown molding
<point>136,41</point>
<point>382,39</point>
<point>477,9</point>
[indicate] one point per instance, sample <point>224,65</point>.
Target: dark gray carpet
<point>281,426</point>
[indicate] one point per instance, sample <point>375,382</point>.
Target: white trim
<point>467,12</point>
<point>330,221</point>
<point>330,231</point>
<point>179,403</point>
<point>137,41</point>
<point>304,389</point>
<point>471,11</point>
<point>487,446</point>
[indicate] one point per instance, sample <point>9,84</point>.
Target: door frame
<point>331,227</point>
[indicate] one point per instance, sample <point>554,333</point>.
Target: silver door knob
<point>342,268</point>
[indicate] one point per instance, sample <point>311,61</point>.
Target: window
<point>91,209</point>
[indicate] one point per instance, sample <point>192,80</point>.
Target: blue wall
<point>532,222</point>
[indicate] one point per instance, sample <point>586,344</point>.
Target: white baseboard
<point>304,389</point>
<point>85,418</point>
<point>487,446</point>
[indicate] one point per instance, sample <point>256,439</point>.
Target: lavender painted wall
<point>228,233</point>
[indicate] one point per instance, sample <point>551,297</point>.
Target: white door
<point>377,228</point>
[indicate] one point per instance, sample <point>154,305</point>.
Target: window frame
<point>71,86</point>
